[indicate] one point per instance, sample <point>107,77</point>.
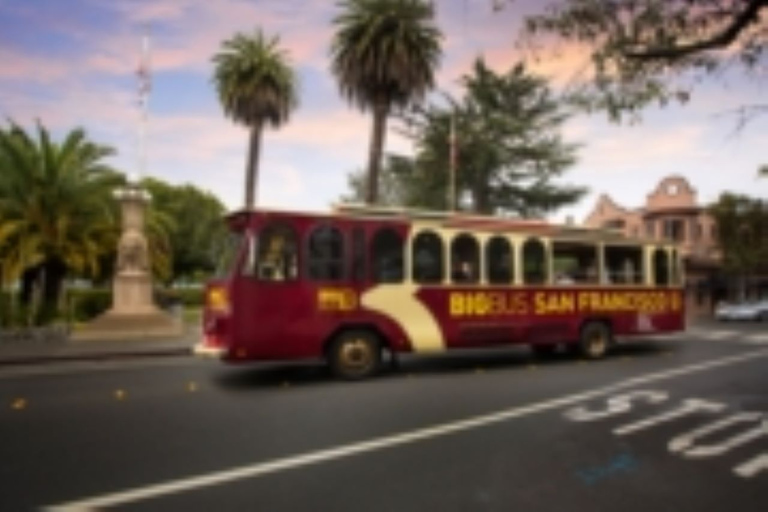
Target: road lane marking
<point>757,339</point>
<point>329,454</point>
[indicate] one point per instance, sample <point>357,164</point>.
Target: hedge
<point>84,304</point>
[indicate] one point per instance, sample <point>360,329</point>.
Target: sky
<point>73,63</point>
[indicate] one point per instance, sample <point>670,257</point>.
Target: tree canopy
<point>384,55</point>
<point>646,51</point>
<point>742,232</point>
<point>256,88</point>
<point>56,215</point>
<point>195,230</point>
<point>508,143</point>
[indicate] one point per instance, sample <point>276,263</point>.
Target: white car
<point>752,310</point>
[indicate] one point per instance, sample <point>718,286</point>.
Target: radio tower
<point>144,88</point>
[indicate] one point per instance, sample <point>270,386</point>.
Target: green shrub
<point>187,297</point>
<point>87,303</point>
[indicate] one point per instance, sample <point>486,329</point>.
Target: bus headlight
<point>217,300</point>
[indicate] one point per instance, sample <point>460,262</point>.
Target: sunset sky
<point>73,63</point>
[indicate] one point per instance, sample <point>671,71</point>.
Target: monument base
<point>148,324</point>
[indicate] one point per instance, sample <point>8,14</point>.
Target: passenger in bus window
<point>564,278</point>
<point>463,273</point>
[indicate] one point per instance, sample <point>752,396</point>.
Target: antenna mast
<point>144,88</point>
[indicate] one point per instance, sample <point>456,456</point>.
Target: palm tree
<point>256,86</point>
<point>384,55</point>
<point>56,213</point>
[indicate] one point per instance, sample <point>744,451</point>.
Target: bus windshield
<point>226,254</point>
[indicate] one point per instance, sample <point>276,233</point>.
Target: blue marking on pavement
<point>623,463</point>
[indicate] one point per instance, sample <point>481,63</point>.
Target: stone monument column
<point>132,287</point>
<point>133,314</point>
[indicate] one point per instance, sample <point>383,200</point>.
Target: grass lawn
<point>192,316</point>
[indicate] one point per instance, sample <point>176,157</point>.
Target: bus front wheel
<point>595,340</point>
<point>355,355</point>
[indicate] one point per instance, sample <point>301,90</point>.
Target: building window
<point>499,265</point>
<point>387,256</point>
<point>696,230</point>
<point>325,254</point>
<point>674,230</point>
<point>649,229</point>
<point>428,262</point>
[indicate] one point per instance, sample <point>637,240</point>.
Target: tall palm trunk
<point>380,112</point>
<point>252,168</point>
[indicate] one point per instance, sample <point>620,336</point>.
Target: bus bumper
<point>207,351</point>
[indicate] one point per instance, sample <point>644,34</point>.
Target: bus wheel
<point>355,355</point>
<point>595,340</point>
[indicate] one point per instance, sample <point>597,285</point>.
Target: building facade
<point>672,212</point>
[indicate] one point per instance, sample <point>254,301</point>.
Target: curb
<point>29,360</point>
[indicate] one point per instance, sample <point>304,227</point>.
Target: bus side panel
<point>475,316</point>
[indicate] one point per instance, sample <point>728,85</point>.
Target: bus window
<point>498,261</point>
<point>534,262</point>
<point>427,258</point>
<point>624,265</point>
<point>358,254</point>
<point>227,251</point>
<point>661,267</point>
<point>677,278</point>
<point>325,254</point>
<point>574,262</point>
<point>465,259</point>
<point>277,254</point>
<point>387,256</point>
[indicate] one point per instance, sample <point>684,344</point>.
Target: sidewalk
<point>42,351</point>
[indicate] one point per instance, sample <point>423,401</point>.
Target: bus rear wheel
<point>355,355</point>
<point>595,340</point>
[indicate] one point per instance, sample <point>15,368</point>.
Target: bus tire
<point>595,339</point>
<point>355,354</point>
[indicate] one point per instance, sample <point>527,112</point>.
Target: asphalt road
<point>664,425</point>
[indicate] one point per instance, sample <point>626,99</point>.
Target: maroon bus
<point>356,282</point>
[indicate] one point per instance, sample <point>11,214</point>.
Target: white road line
<point>717,335</point>
<point>757,339</point>
<point>329,454</point>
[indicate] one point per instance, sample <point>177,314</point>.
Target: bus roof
<point>455,220</point>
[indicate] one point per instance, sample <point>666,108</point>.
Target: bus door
<point>268,293</point>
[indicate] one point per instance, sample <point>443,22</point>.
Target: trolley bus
<point>354,283</point>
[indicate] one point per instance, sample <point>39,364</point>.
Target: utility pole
<point>452,166</point>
